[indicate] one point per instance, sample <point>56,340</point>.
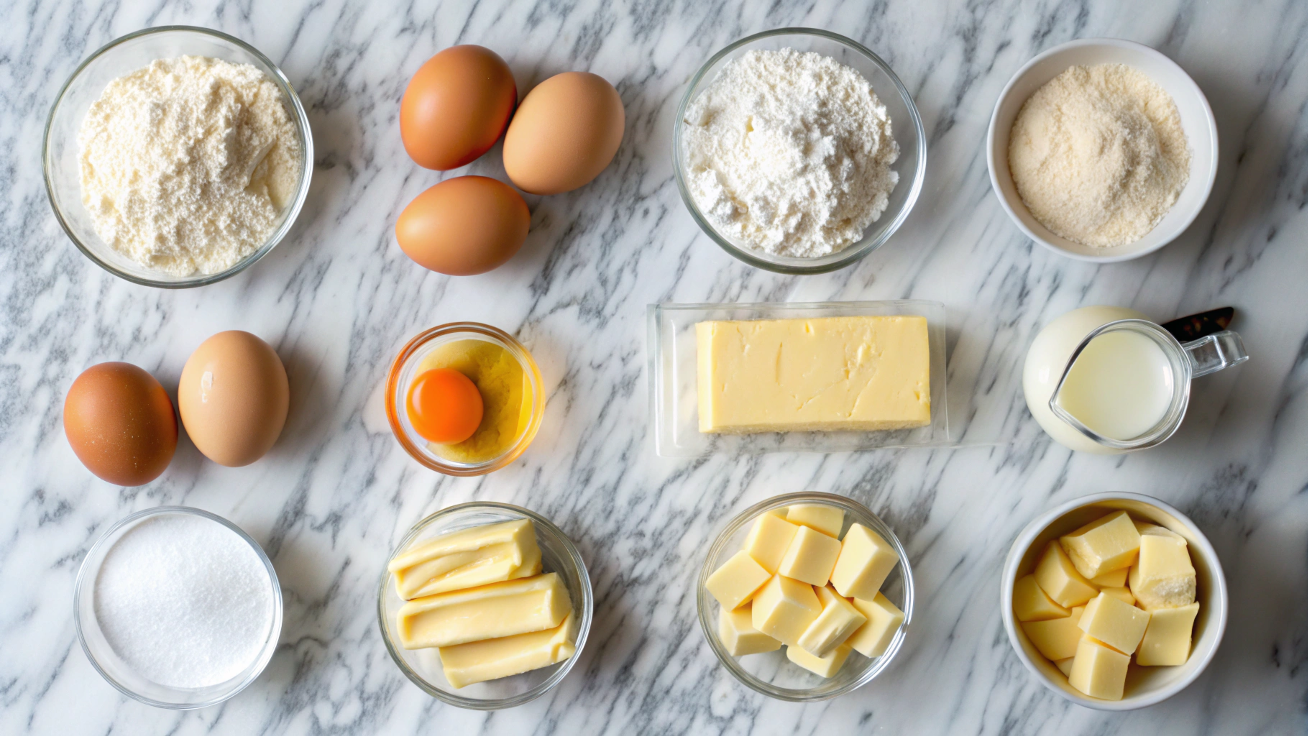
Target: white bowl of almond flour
<point>1102,150</point>
<point>177,156</point>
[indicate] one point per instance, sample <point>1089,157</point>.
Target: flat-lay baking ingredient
<point>1030,603</point>
<point>738,635</point>
<point>486,612</point>
<point>491,659</point>
<point>883,621</point>
<point>444,406</point>
<point>1114,579</point>
<point>490,553</point>
<point>864,562</point>
<point>189,164</point>
<point>1106,544</point>
<point>789,153</point>
<point>456,106</point>
<point>826,666</point>
<point>1098,154</point>
<point>823,374</point>
<point>120,423</point>
<point>1099,670</point>
<point>233,396</point>
<point>1121,385</point>
<point>565,133</point>
<point>1060,580</point>
<point>1163,576</point>
<point>768,541</point>
<point>736,581</point>
<point>827,519</point>
<point>1167,640</point>
<point>1056,638</point>
<point>810,557</point>
<point>506,394</point>
<point>464,226</point>
<point>784,608</point>
<point>184,601</point>
<point>838,620</point>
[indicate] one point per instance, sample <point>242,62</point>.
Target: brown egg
<point>564,134</point>
<point>233,398</point>
<point>120,423</point>
<point>456,106</point>
<point>464,226</point>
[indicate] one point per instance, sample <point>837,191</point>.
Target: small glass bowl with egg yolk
<point>506,377</point>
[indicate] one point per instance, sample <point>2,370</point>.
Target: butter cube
<point>1167,640</point>
<point>768,541</point>
<point>1056,638</point>
<point>1145,527</point>
<point>1060,580</point>
<point>1099,670</point>
<point>779,512</point>
<point>1030,603</point>
<point>826,519</point>
<point>1108,544</point>
<point>826,666</point>
<point>1114,579</point>
<point>784,608</point>
<point>883,621</point>
<point>864,563</point>
<point>1065,665</point>
<point>738,635</point>
<point>488,612</point>
<point>479,661</point>
<point>838,620</point>
<point>810,557</point>
<point>1117,624</point>
<point>466,559</point>
<point>736,581</point>
<point>1163,577</point>
<point>1123,594</point>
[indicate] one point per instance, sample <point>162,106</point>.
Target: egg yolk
<point>445,406</point>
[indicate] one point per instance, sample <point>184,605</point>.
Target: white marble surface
<point>338,298</point>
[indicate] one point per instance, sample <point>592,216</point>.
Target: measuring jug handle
<point>1215,352</point>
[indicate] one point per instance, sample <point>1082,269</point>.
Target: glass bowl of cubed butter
<point>1114,601</point>
<point>485,605</point>
<point>806,596</point>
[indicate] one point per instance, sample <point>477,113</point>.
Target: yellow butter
<point>1098,670</point>
<point>468,558</point>
<point>491,659</point>
<point>1121,593</point>
<point>768,541</point>
<point>737,633</point>
<point>824,374</point>
<point>810,557</point>
<point>1114,579</point>
<point>1060,580</point>
<point>1119,625</point>
<point>1167,640</point>
<point>1163,576</point>
<point>864,562</point>
<point>1056,638</point>
<point>826,666</point>
<point>735,582</point>
<point>1065,665</point>
<point>1144,527</point>
<point>784,608</point>
<point>1103,545</point>
<point>1030,603</point>
<point>838,620</point>
<point>488,612</point>
<point>826,519</point>
<point>883,621</point>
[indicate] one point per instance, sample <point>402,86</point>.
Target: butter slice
<point>1167,640</point>
<point>1099,670</point>
<point>468,558</point>
<point>1030,603</point>
<point>883,621</point>
<point>1117,624</point>
<point>736,581</point>
<point>838,620</point>
<point>768,541</point>
<point>738,635</point>
<point>784,608</point>
<point>491,659</point>
<point>826,519</point>
<point>864,562</point>
<point>1103,545</point>
<point>826,666</point>
<point>810,557</point>
<point>1060,580</point>
<point>823,374</point>
<point>1056,638</point>
<point>1163,576</point>
<point>489,612</point>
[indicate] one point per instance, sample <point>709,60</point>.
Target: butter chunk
<point>1114,579</point>
<point>491,659</point>
<point>784,608</point>
<point>1117,624</point>
<point>883,621</point>
<point>1065,665</point>
<point>1030,603</point>
<point>1163,577</point>
<point>1056,638</point>
<point>838,620</point>
<point>738,635</point>
<point>1167,640</point>
<point>827,519</point>
<point>1060,580</point>
<point>1145,527</point>
<point>1123,594</point>
<point>822,374</point>
<point>810,557</point>
<point>1104,545</point>
<point>466,559</point>
<point>768,541</point>
<point>736,581</point>
<point>1098,670</point>
<point>488,612</point>
<point>826,666</point>
<point>864,563</point>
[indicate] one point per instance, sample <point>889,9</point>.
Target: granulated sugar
<point>184,601</point>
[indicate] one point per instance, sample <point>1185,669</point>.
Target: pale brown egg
<point>456,106</point>
<point>464,226</point>
<point>564,134</point>
<point>120,423</point>
<point>233,398</point>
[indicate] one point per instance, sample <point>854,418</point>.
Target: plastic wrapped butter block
<point>838,620</point>
<point>1167,640</point>
<point>1103,545</point>
<point>1060,580</point>
<point>488,612</point>
<point>738,635</point>
<point>736,581</point>
<point>1163,576</point>
<point>491,659</point>
<point>864,563</point>
<point>467,559</point>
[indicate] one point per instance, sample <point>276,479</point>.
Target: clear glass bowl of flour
<point>906,127</point>
<point>118,58</point>
<point>240,596</point>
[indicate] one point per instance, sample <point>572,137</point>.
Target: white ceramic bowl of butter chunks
<point>1144,686</point>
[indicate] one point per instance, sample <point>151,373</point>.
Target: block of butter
<point>491,659</point>
<point>1167,640</point>
<point>738,635</point>
<point>833,626</point>
<point>1056,638</point>
<point>1059,579</point>
<point>1104,545</point>
<point>822,374</point>
<point>784,608</point>
<point>810,557</point>
<point>883,621</point>
<point>1030,603</point>
<point>1163,576</point>
<point>864,562</point>
<point>736,581</point>
<point>826,666</point>
<point>827,519</point>
<point>468,558</point>
<point>1099,670</point>
<point>768,540</point>
<point>1119,625</point>
<point>488,612</point>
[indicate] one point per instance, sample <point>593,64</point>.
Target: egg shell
<point>233,398</point>
<point>120,423</point>
<point>456,106</point>
<point>564,134</point>
<point>464,226</point>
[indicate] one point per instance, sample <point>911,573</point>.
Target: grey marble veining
<point>338,298</point>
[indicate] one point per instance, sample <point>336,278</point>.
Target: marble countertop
<point>338,298</point>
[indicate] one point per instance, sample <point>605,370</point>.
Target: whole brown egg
<point>464,226</point>
<point>456,106</point>
<point>120,423</point>
<point>233,398</point>
<point>564,134</point>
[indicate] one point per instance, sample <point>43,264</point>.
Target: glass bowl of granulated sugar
<point>177,156</point>
<point>798,150</point>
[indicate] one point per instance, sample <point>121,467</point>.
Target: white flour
<point>187,164</point>
<point>790,153</point>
